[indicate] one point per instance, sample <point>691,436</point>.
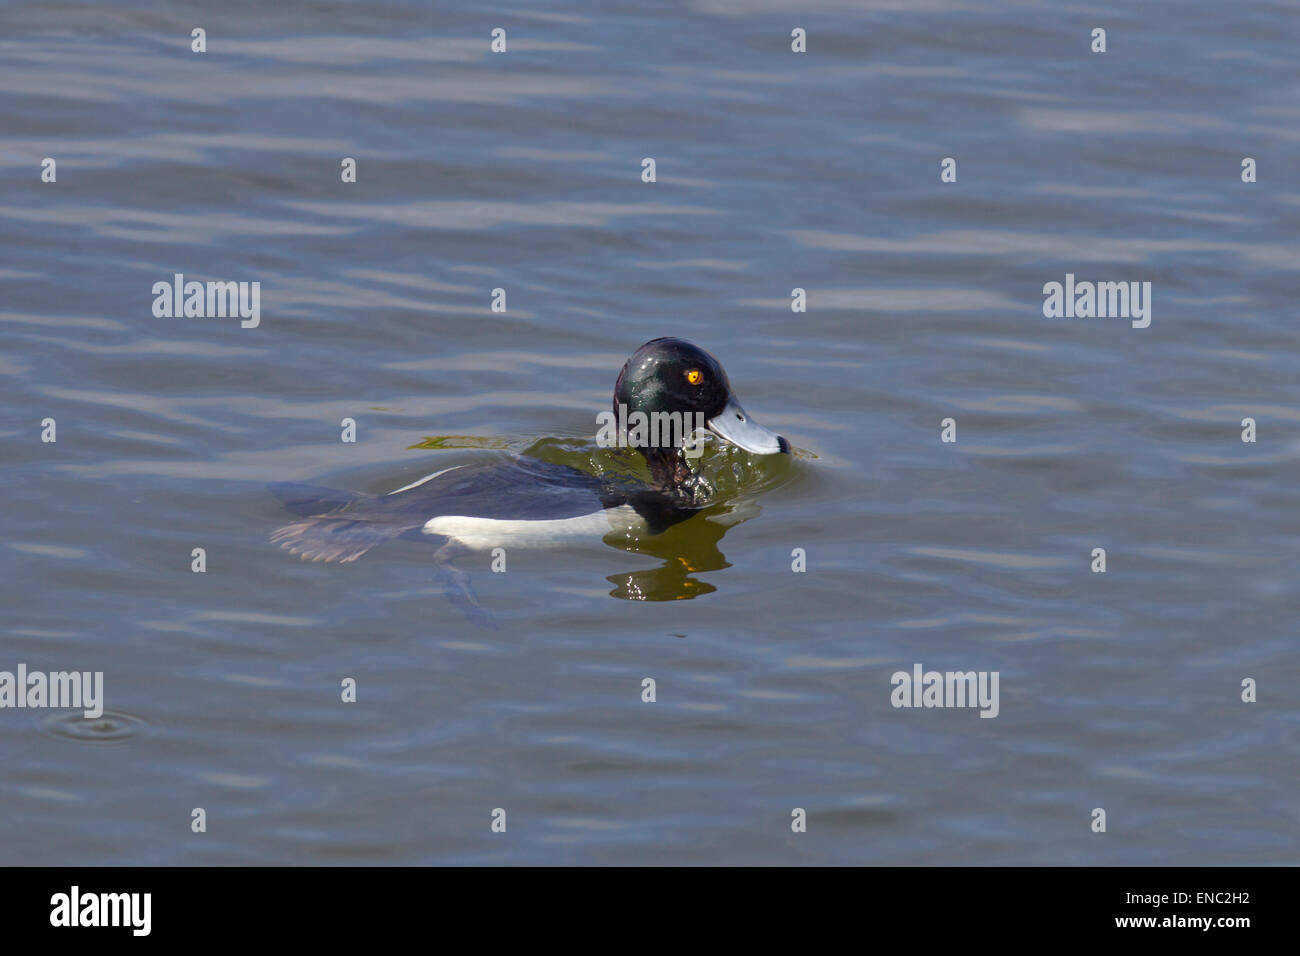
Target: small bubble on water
<point>109,727</point>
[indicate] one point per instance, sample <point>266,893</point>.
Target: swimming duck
<point>526,502</point>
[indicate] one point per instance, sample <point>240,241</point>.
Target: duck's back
<point>511,502</point>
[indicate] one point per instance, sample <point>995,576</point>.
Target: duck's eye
<point>695,376</point>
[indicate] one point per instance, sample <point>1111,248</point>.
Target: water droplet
<point>109,727</point>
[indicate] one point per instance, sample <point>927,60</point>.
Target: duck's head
<point>670,376</point>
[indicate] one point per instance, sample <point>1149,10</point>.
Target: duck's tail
<point>340,527</point>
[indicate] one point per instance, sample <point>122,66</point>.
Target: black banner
<point>331,906</point>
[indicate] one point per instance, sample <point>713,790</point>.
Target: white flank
<point>484,534</point>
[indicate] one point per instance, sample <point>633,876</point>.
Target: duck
<point>527,502</point>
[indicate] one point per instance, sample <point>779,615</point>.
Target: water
<point>775,170</point>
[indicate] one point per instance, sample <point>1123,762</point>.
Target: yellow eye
<point>695,376</point>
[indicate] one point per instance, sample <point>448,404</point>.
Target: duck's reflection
<point>685,549</point>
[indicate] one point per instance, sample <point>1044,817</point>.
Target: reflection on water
<point>685,549</point>
<point>724,481</point>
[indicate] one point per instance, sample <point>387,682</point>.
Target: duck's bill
<point>733,424</point>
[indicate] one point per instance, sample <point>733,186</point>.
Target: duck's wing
<point>515,489</point>
<point>342,526</point>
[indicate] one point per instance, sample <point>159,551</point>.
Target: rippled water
<point>774,171</point>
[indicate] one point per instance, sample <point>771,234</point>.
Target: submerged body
<point>517,502</point>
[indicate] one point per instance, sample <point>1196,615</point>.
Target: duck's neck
<point>668,469</point>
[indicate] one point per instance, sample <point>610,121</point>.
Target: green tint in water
<point>724,482</point>
<point>441,442</point>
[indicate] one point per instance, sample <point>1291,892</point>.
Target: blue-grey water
<point>775,170</point>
